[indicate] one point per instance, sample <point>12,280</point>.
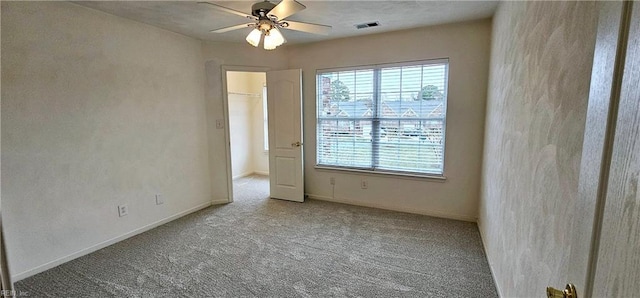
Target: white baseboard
<point>242,175</point>
<point>484,246</point>
<point>251,173</point>
<point>394,208</point>
<point>106,243</point>
<point>219,202</point>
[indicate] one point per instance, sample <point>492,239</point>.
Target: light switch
<point>159,199</point>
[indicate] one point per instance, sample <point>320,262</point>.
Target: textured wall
<point>538,90</point>
<point>241,133</point>
<point>97,111</point>
<point>246,82</point>
<point>260,156</point>
<point>467,47</point>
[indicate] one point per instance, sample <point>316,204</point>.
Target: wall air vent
<point>368,25</point>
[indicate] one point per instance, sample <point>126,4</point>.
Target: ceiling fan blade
<point>231,28</point>
<point>285,9</point>
<point>307,27</point>
<point>229,10</point>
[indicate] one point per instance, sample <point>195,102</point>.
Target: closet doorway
<point>246,98</point>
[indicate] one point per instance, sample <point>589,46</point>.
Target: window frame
<point>375,171</point>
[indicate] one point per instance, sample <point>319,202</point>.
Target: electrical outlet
<point>219,123</point>
<point>123,210</point>
<point>159,199</point>
<point>332,181</point>
<point>364,184</point>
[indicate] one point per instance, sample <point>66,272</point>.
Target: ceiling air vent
<point>368,25</point>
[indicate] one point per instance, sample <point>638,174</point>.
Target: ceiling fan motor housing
<point>261,9</point>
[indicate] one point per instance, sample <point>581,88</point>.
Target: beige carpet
<point>260,247</point>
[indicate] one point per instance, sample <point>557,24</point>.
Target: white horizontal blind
<point>389,118</point>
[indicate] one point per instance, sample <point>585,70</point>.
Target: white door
<point>608,265</point>
<point>284,106</point>
<point>618,255</point>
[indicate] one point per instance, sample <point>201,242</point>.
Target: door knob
<point>568,292</point>
<point>296,144</point>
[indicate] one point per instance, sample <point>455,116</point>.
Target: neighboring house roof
<point>408,109</point>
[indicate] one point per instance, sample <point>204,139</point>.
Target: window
<point>388,118</point>
<point>265,118</point>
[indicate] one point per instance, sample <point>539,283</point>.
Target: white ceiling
<point>196,20</point>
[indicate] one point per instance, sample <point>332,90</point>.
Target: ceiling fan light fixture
<point>273,39</point>
<point>254,37</point>
<point>266,20</point>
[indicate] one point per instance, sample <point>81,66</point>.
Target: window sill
<point>412,176</point>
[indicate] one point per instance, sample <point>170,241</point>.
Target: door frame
<point>6,284</point>
<point>227,133</point>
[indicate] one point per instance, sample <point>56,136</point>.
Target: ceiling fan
<point>266,19</point>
